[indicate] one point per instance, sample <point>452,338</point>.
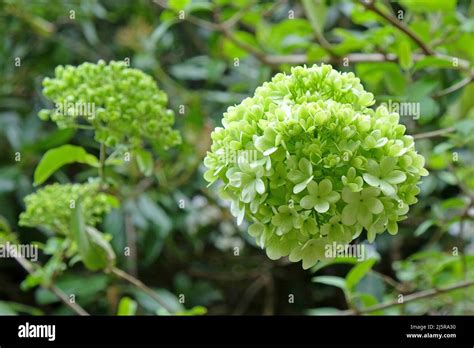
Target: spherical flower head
<point>309,163</point>
<point>51,206</point>
<point>123,105</point>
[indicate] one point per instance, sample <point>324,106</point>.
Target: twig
<point>298,59</point>
<point>249,294</point>
<point>237,16</point>
<point>102,163</point>
<point>224,276</point>
<point>53,288</point>
<point>460,84</point>
<point>436,133</point>
<point>268,308</point>
<point>370,5</point>
<point>131,236</point>
<point>410,298</point>
<point>462,219</point>
<point>325,44</point>
<point>261,56</point>
<point>273,8</point>
<point>139,284</point>
<point>390,281</point>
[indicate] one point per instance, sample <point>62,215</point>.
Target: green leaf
<point>358,272</point>
<point>423,227</point>
<point>145,162</point>
<point>394,79</point>
<point>199,68</point>
<point>465,127</point>
<point>54,139</point>
<point>367,300</point>
<point>331,280</point>
<point>316,11</point>
<point>155,213</point>
<point>197,310</point>
<point>423,6</point>
<point>58,157</point>
<point>340,260</point>
<point>232,51</point>
<point>323,311</point>
<point>434,62</point>
<point>428,110</point>
<point>71,284</point>
<point>178,5</point>
<point>94,250</point>
<point>14,308</point>
<point>404,54</point>
<point>127,306</point>
<point>421,88</point>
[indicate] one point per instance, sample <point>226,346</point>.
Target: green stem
<point>102,163</point>
<point>139,284</point>
<point>409,298</point>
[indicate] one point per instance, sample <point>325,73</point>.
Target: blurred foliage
<point>207,56</point>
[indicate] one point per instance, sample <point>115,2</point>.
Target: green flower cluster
<point>51,206</point>
<point>324,165</point>
<point>122,104</point>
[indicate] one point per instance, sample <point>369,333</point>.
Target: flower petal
<point>309,227</point>
<point>321,206</point>
<point>333,197</point>
<point>371,179</point>
<point>325,187</point>
<point>349,214</point>
<point>256,229</point>
<point>395,177</point>
<point>313,188</point>
<point>273,249</point>
<point>392,227</point>
<point>350,197</point>
<point>296,254</point>
<point>387,189</point>
<point>364,216</point>
<point>374,205</point>
<point>260,186</point>
<point>387,164</point>
<point>302,185</point>
<point>369,192</point>
<point>308,202</point>
<point>371,235</point>
<point>305,166</point>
